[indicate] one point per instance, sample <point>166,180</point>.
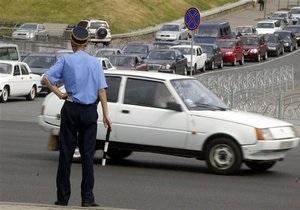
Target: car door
<point>27,79</point>
<point>15,83</point>
<point>201,57</point>
<point>180,62</point>
<point>143,118</point>
<point>218,55</point>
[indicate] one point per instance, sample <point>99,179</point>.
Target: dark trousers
<point>78,126</point>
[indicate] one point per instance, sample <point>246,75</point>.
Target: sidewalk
<point>248,16</point>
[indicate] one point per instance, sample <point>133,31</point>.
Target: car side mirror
<point>174,106</point>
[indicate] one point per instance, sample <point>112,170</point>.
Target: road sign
<point>192,18</point>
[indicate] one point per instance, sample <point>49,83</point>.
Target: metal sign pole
<point>192,52</point>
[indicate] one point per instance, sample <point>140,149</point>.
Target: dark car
<point>255,47</point>
<point>167,60</point>
<point>106,52</point>
<point>296,30</point>
<point>41,62</point>
<point>274,44</point>
<point>233,51</point>
<point>289,40</point>
<point>214,56</point>
<point>164,44</point>
<point>128,62</point>
<point>141,49</point>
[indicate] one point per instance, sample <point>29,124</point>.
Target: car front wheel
<point>223,156</point>
<point>260,165</point>
<point>118,154</point>
<point>31,95</point>
<point>4,96</point>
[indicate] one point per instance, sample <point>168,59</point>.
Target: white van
<point>9,52</point>
<point>268,26</point>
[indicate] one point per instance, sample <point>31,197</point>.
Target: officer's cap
<point>79,36</point>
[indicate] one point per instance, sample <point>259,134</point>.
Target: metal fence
<point>267,91</point>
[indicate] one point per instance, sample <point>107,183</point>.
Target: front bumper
<point>269,149</point>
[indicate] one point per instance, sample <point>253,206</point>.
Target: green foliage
<point>122,15</point>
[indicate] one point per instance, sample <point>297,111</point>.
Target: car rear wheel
<point>4,96</point>
<point>31,95</point>
<point>223,156</point>
<point>260,165</point>
<point>118,154</point>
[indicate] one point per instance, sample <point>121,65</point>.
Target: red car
<point>255,47</point>
<point>233,51</point>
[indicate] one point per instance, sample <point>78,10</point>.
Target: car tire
<point>266,56</point>
<point>221,64</point>
<point>212,66</point>
<point>118,154</point>
<point>4,95</point>
<point>260,165</point>
<point>32,94</point>
<point>223,156</point>
<point>234,62</point>
<point>242,60</point>
<point>101,33</point>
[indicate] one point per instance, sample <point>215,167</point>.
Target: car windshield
<point>96,25</point>
<point>135,49</point>
<point>285,35</point>
<point>265,25</point>
<point>169,28</point>
<point>279,15</point>
<point>122,61</point>
<point>207,49</point>
<point>271,38</point>
<point>186,51</point>
<point>28,26</point>
<point>243,30</point>
<point>207,32</point>
<point>293,29</point>
<point>5,68</point>
<point>249,40</point>
<point>196,96</point>
<point>226,44</point>
<point>40,61</point>
<point>295,11</point>
<point>105,53</point>
<point>161,55</point>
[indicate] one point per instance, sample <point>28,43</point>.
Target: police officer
<point>85,85</point>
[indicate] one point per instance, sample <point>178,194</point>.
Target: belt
<point>70,100</point>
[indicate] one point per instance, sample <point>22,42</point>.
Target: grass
<point>122,15</point>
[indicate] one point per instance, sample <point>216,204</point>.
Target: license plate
<point>286,145</point>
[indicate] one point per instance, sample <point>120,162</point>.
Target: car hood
<point>244,118</point>
<point>4,77</point>
<point>247,47</point>
<point>162,62</point>
<point>272,44</point>
<point>38,71</point>
<point>25,31</point>
<point>265,30</point>
<point>167,32</point>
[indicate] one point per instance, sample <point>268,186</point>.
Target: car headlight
<point>263,134</point>
<point>272,48</point>
<point>167,66</point>
<point>253,51</point>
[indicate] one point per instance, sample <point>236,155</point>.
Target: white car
<point>295,12</point>
<point>268,26</point>
<point>30,31</point>
<point>106,64</point>
<point>172,32</point>
<point>176,115</point>
<point>16,79</point>
<point>198,59</point>
<point>99,30</point>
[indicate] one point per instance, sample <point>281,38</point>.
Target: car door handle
<point>125,111</point>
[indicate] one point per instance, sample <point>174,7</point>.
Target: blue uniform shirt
<point>82,74</point>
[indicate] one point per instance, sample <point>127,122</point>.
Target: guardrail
<point>264,91</point>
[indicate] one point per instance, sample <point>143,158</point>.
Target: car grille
<point>154,66</point>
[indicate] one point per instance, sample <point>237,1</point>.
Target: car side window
<point>147,93</point>
<point>112,92</point>
<point>17,71</point>
<point>104,65</point>
<point>24,70</point>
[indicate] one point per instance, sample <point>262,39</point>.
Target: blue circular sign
<point>192,18</point>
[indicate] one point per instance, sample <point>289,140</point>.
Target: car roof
<point>12,62</point>
<point>148,74</point>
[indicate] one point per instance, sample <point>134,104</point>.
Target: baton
<point>106,146</point>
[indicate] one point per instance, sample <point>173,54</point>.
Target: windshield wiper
<point>208,106</point>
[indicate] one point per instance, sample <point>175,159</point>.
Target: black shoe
<point>60,204</point>
<point>89,204</point>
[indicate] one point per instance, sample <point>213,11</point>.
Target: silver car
<point>30,31</point>
<point>172,32</point>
